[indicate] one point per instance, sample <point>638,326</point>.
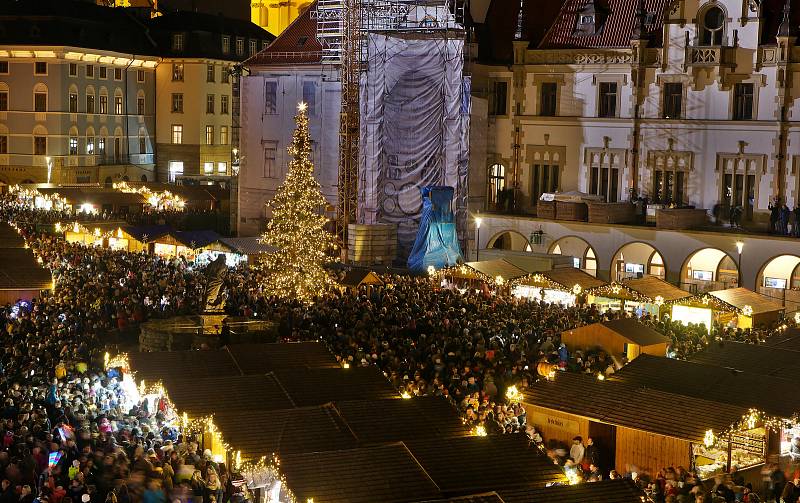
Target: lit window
<point>90,103</point>
<point>177,41</point>
<point>103,104</point>
<point>209,135</point>
<point>118,105</point>
<point>177,71</point>
<point>73,145</point>
<point>223,135</point>
<point>226,45</point>
<point>177,134</point>
<point>89,145</point>
<point>222,167</point>
<point>73,102</point>
<point>208,168</point>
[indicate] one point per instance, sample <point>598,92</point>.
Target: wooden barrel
<point>371,244</point>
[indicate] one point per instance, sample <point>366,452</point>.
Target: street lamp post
<point>478,221</point>
<point>739,248</point>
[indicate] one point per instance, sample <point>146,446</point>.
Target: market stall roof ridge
<point>257,358</point>
<point>636,331</point>
<point>317,386</point>
<point>385,473</point>
<point>491,269</point>
<point>773,395</point>
<point>450,462</point>
<point>755,358</point>
<point>357,277</point>
<point>653,286</point>
<point>742,297</point>
<point>605,491</point>
<point>234,394</point>
<point>633,406</point>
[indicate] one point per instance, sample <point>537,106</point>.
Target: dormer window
<point>712,26</point>
<point>177,41</point>
<point>590,18</point>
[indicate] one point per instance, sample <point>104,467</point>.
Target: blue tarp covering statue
<point>437,242</point>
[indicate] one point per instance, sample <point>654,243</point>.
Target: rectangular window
<point>103,72</point>
<point>223,135</point>
<point>222,168</point>
<point>3,144</point>
<point>4,67</point>
<point>118,105</point>
<point>223,104</point>
<point>607,103</point>
<point>40,68</point>
<point>177,134</point>
<point>101,146</point>
<point>142,145</point>
<point>90,103</point>
<point>73,69</point>
<point>270,153</point>
<point>40,145</point>
<point>175,170</point>
<point>89,71</point>
<point>226,45</point>
<point>604,172</point>
<point>3,101</point>
<point>73,145</point>
<point>89,145</point>
<point>73,103</point>
<point>544,179</point>
<point>499,98</point>
<point>140,105</point>
<point>117,73</point>
<point>209,135</point>
<point>40,102</point>
<point>548,99</point>
<point>672,107</point>
<point>210,73</point>
<point>310,97</point>
<point>240,47</point>
<point>177,102</point>
<point>208,168</point>
<point>253,47</point>
<point>177,72</point>
<point>226,75</point>
<point>139,75</point>
<point>210,104</point>
<point>103,104</point>
<point>743,101</point>
<point>271,98</point>
<point>177,41</point>
<point>669,186</point>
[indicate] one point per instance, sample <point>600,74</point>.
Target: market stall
<point>642,427</point>
<point>562,286</point>
<point>738,307</point>
<point>638,296</point>
<point>355,278</point>
<point>188,244</point>
<point>497,273</point>
<point>624,337</point>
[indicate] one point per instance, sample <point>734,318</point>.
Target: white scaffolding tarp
<point>414,124</point>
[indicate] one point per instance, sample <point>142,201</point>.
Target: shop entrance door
<point>604,437</point>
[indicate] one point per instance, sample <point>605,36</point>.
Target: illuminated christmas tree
<point>297,228</point>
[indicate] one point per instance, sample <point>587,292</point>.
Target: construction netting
<point>414,129</point>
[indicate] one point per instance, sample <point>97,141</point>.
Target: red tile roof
<point>297,44</point>
<point>615,31</point>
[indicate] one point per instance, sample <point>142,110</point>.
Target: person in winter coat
<point>577,451</point>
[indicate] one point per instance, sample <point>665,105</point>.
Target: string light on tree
<point>297,228</point>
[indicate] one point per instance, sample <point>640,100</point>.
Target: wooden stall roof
<point>146,232</point>
<point>636,331</point>
<point>9,237</point>
<point>754,358</point>
<point>652,287</point>
<point>391,420</point>
<point>19,270</point>
<point>189,239</point>
<point>357,277</point>
<point>317,386</point>
<point>631,406</point>
<point>773,395</point>
<point>154,366</point>
<point>453,463</point>
<point>788,339</point>
<point>387,473</point>
<point>259,358</point>
<point>741,297</point>
<point>221,396</point>
<point>493,268</point>
<point>260,433</point>
<point>96,195</point>
<point>247,245</point>
<point>570,276</point>
<point>491,497</point>
<point>605,491</point>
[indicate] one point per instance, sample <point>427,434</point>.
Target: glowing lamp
<point>747,310</point>
<point>478,221</point>
<point>739,246</point>
<point>480,431</point>
<point>576,289</point>
<point>659,300</point>
<point>302,106</point>
<point>709,438</point>
<point>405,394</point>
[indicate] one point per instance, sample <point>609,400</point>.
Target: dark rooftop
<point>606,491</point>
<point>318,386</point>
<point>222,396</point>
<point>508,462</point>
<point>634,406</point>
<point>260,358</point>
<point>391,420</point>
<point>386,474</point>
<point>183,364</point>
<point>754,358</point>
<point>710,382</point>
<point>636,331</point>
